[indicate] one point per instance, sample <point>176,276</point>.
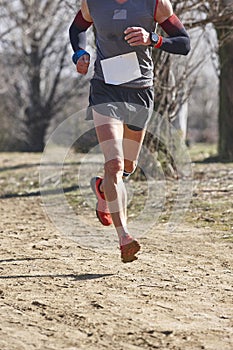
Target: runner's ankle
<point>125,239</point>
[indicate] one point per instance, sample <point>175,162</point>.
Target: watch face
<point>154,38</point>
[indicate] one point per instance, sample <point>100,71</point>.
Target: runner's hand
<point>137,36</point>
<point>83,64</point>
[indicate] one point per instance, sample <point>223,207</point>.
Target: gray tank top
<point>110,20</point>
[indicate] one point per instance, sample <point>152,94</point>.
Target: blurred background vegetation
<point>39,86</point>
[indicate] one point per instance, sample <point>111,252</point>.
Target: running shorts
<point>132,106</point>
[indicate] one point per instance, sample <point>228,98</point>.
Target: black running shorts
<point>132,106</point>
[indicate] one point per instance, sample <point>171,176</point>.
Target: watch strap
<point>159,43</point>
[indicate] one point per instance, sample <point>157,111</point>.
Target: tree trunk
<point>225,37</point>
<point>37,118</point>
<point>225,145</point>
<point>36,129</point>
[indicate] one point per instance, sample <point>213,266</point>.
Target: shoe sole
<point>93,187</point>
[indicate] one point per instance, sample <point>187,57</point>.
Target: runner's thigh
<point>110,135</point>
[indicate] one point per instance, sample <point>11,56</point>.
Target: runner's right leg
<point>110,134</point>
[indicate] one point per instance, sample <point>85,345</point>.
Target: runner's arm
<point>77,31</point>
<point>178,41</point>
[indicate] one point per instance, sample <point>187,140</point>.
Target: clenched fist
<point>137,36</point>
<point>83,64</point>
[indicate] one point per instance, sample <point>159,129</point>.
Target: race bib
<point>121,69</point>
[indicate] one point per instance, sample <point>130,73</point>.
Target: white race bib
<point>121,69</point>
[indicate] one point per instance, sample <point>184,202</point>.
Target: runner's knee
<point>114,167</point>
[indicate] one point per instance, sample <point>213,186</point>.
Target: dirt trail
<point>58,295</point>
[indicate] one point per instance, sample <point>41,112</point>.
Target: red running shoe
<point>102,211</point>
<point>129,250</point>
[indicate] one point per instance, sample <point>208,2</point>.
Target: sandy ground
<point>56,294</point>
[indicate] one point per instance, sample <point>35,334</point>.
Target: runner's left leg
<point>132,143</point>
